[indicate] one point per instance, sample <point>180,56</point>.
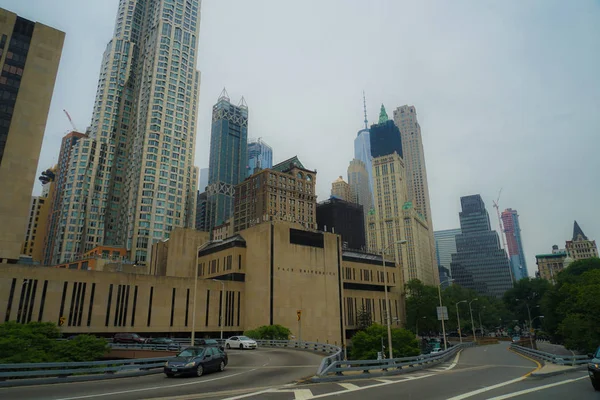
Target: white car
<point>240,342</point>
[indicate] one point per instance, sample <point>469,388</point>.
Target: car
<point>594,369</point>
<point>240,342</point>
<point>196,361</point>
<point>170,344</point>
<point>128,338</point>
<point>208,342</point>
<point>516,339</point>
<point>436,350</point>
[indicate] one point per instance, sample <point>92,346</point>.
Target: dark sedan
<point>594,369</point>
<point>208,342</point>
<point>164,343</point>
<point>196,361</point>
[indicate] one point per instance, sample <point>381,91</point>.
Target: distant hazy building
<point>203,179</point>
<point>445,246</point>
<point>549,265</point>
<point>362,152</point>
<point>420,261</point>
<point>479,262</point>
<point>29,57</point>
<point>341,190</point>
<point>385,137</point>
<point>260,156</point>
<point>228,157</point>
<point>580,247</point>
<point>201,212</point>
<point>358,179</point>
<point>344,218</point>
<point>514,242</point>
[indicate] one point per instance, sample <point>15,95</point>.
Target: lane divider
<point>536,389</point>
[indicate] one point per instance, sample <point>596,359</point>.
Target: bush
<point>269,332</point>
<point>366,344</point>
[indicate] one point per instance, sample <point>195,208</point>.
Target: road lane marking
<point>486,389</point>
<point>302,394</point>
<point>539,366</point>
<point>349,386</point>
<point>455,361</point>
<point>536,389</point>
<point>384,380</point>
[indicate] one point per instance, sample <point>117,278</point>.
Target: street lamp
<point>458,319</point>
<point>222,304</point>
<point>387,304</point>
<point>442,310</point>
<point>198,249</point>
<point>480,325</point>
<point>472,323</point>
<point>530,323</point>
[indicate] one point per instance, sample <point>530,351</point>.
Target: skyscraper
<point>228,157</point>
<point>138,163</point>
<point>203,180</point>
<point>362,151</point>
<point>360,188</point>
<point>512,230</point>
<point>341,190</point>
<point>479,263</point>
<point>385,137</point>
<point>445,246</point>
<point>260,155</point>
<point>29,56</point>
<point>344,218</point>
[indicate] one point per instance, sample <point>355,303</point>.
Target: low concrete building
<point>549,265</point>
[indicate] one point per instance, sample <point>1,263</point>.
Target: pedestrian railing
<point>338,367</point>
<point>552,358</point>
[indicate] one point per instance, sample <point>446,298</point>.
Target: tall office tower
<point>228,157</point>
<point>445,246</point>
<point>512,230</point>
<point>344,218</point>
<point>37,227</point>
<point>57,220</point>
<point>341,189</point>
<point>385,137</point>
<point>139,159</point>
<point>260,156</point>
<point>29,56</point>
<point>360,188</point>
<point>420,260</point>
<point>203,180</point>
<point>479,263</point>
<point>201,209</point>
<point>362,152</point>
<point>580,247</point>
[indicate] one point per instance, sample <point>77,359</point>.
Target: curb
<point>560,372</point>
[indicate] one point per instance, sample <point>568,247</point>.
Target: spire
<point>578,232</point>
<point>242,103</point>
<point>224,95</point>
<point>365,108</point>
<point>383,117</point>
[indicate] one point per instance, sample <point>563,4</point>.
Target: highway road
<point>247,370</point>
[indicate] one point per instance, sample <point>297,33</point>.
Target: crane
<point>497,207</point>
<point>71,121</point>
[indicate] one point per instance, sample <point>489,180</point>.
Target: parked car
<point>594,369</point>
<point>196,361</point>
<point>170,344</point>
<point>208,342</point>
<point>128,338</point>
<point>240,342</point>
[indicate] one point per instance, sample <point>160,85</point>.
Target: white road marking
<point>536,389</point>
<point>302,394</point>
<point>154,387</point>
<point>486,389</point>
<point>455,361</point>
<point>270,390</point>
<point>384,380</point>
<point>349,386</point>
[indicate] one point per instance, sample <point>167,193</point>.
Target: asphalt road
<point>248,370</point>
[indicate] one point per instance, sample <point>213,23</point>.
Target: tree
<point>526,292</point>
<point>269,332</point>
<point>421,303</point>
<point>366,344</point>
<point>364,319</point>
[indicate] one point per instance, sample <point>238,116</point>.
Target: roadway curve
<point>248,370</point>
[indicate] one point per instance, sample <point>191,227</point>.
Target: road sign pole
<point>299,315</point>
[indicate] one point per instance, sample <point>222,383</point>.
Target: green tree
<point>364,319</point>
<point>421,303</point>
<point>269,332</point>
<point>526,292</point>
<point>366,344</point>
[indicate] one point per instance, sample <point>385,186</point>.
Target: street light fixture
<point>222,304</point>
<point>530,322</point>
<point>387,304</point>
<point>458,320</point>
<point>472,323</point>
<point>442,310</point>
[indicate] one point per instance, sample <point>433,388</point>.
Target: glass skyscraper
<point>260,155</point>
<point>228,158</point>
<point>479,262</point>
<point>385,137</point>
<point>512,230</point>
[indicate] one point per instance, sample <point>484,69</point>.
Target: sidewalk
<point>554,369</point>
<point>557,349</point>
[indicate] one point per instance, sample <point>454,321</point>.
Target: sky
<point>507,92</point>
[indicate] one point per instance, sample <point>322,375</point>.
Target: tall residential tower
<point>512,230</point>
<point>260,156</point>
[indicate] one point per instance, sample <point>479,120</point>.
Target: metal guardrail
<point>553,358</point>
<point>338,367</point>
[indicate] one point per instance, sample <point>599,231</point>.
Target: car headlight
<point>190,364</point>
<point>167,364</point>
<point>594,366</point>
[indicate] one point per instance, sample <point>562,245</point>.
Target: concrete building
<point>420,263</point>
<point>360,189</point>
<point>29,56</point>
<point>344,218</point>
<point>549,265</point>
<point>223,231</point>
<point>266,274</point>
<point>260,156</point>
<point>341,189</point>
<point>37,226</point>
<point>228,157</point>
<point>580,247</point>
<point>284,192</point>
<point>385,137</point>
<point>514,242</point>
<point>479,262</point>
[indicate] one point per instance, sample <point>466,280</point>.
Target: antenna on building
<point>242,103</point>
<point>224,95</point>
<point>365,109</point>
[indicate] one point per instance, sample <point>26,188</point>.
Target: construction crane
<point>71,121</point>
<point>497,207</point>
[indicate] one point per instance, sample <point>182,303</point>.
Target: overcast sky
<point>507,92</point>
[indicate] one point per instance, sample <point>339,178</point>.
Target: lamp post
<point>480,325</point>
<point>222,303</point>
<point>442,310</point>
<point>530,323</point>
<point>387,304</point>
<point>472,323</point>
<point>458,319</point>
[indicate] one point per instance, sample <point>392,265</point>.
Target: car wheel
<point>241,346</point>
<point>199,370</point>
<point>170,375</point>
<point>227,346</point>
<point>595,384</point>
<point>222,366</point>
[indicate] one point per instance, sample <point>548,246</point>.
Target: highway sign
<point>442,311</point>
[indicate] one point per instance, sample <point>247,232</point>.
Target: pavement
<point>554,349</point>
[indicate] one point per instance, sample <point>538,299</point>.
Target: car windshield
<point>190,352</point>
<point>244,338</point>
<point>211,341</point>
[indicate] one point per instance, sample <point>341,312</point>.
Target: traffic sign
<point>442,311</point>
<point>299,314</point>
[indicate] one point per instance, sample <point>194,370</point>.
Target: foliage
<point>526,292</point>
<point>37,342</point>
<point>366,343</point>
<point>269,332</point>
<point>364,319</point>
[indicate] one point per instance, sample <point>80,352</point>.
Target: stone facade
<point>341,189</point>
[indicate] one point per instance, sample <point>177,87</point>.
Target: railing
<point>553,358</point>
<point>338,367</point>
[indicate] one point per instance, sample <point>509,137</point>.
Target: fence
<point>553,358</point>
<point>338,367</point>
